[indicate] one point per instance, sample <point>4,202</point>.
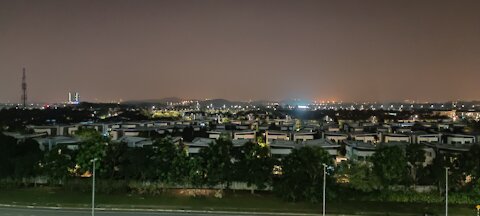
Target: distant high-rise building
<point>77,97</point>
<point>73,98</point>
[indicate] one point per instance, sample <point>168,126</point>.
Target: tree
<point>137,165</point>
<point>359,176</point>
<point>195,174</point>
<point>437,171</point>
<point>415,157</point>
<point>456,176</point>
<point>7,146</point>
<point>216,161</point>
<point>18,159</point>
<point>476,187</point>
<point>188,134</point>
<point>470,163</point>
<point>302,177</point>
<point>163,155</point>
<point>254,165</point>
<point>390,165</point>
<point>93,145</point>
<point>26,158</point>
<point>58,163</point>
<point>115,161</point>
<point>182,166</point>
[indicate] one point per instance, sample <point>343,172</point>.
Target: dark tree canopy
<point>390,165</point>
<point>302,177</point>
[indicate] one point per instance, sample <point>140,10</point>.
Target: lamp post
<point>446,191</point>
<point>93,186</point>
<point>324,185</point>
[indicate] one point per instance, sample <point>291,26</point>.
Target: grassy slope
<point>233,201</point>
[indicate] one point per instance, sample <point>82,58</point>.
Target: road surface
<point>7,211</point>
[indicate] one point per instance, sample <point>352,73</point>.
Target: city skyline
<point>240,50</point>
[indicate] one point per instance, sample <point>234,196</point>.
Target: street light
<point>324,185</point>
<point>93,186</point>
<point>446,191</point>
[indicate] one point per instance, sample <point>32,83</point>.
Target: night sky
<point>240,50</point>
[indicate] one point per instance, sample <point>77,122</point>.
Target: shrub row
<point>416,197</point>
<point>158,188</point>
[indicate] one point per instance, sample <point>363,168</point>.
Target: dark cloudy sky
<point>345,50</point>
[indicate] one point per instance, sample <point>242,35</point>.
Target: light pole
<point>324,185</point>
<point>93,186</point>
<point>446,191</point>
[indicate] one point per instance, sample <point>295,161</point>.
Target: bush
<point>101,186</point>
<point>78,185</point>
<point>147,188</point>
<point>9,183</point>
<point>415,197</point>
<point>111,186</point>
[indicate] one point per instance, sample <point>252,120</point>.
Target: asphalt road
<point>66,212</point>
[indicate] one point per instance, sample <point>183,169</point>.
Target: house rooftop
<point>458,135</point>
<point>306,132</point>
<point>58,140</point>
<point>451,147</point>
<point>22,136</point>
<point>362,134</point>
<point>283,143</point>
<point>361,145</point>
<point>200,141</point>
<point>276,132</point>
<point>397,134</point>
<point>324,143</point>
<point>239,142</point>
<point>335,133</point>
<point>131,139</point>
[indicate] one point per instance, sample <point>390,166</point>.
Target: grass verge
<point>233,201</point>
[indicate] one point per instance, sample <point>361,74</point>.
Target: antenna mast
<point>24,89</point>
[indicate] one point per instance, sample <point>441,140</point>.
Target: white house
<point>303,136</point>
<point>197,144</point>
<point>131,133</point>
<point>246,135</point>
<point>49,143</point>
<point>427,138</point>
<point>136,142</point>
<point>280,147</point>
<point>129,125</point>
<point>334,128</point>
<point>365,137</point>
<point>329,146</point>
<point>459,139</point>
<point>216,134</point>
<point>49,130</point>
<point>276,135</point>
<point>359,151</point>
<point>389,137</point>
<point>336,137</point>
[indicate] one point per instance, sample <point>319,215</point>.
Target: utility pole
<point>324,185</point>
<point>93,186</point>
<point>446,191</point>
